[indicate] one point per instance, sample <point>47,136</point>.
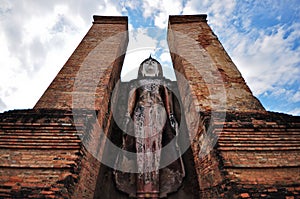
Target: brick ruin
<point>237,148</point>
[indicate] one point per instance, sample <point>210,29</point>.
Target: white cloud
<point>161,20</point>
<point>269,61</point>
<point>132,4</point>
<point>295,111</point>
<point>150,7</point>
<point>167,7</point>
<point>195,7</point>
<point>160,10</point>
<point>140,46</point>
<point>218,11</point>
<point>165,57</point>
<point>110,8</point>
<point>296,97</point>
<point>36,39</point>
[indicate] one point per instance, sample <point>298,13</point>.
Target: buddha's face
<point>150,68</point>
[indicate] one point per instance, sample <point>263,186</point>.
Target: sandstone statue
<point>150,125</point>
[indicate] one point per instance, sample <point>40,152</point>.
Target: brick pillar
<point>214,81</point>
<point>86,82</point>
<point>88,77</point>
<point>209,83</point>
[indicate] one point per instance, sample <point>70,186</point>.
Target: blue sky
<point>262,38</point>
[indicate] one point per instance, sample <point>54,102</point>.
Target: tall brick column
<point>92,70</point>
<point>85,85</point>
<point>214,80</point>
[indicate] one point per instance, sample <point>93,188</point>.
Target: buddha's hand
<point>125,122</point>
<point>173,121</point>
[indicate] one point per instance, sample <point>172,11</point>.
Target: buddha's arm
<point>170,106</point>
<point>168,101</point>
<point>128,112</point>
<point>131,101</point>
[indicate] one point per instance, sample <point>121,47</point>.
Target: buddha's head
<point>150,68</point>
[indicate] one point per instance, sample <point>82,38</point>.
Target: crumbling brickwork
<point>42,156</point>
<point>256,156</point>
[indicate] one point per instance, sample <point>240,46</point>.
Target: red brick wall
<point>44,154</point>
<point>39,154</point>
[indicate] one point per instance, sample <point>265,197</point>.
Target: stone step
<point>36,164</point>
<point>38,131</point>
<point>38,134</point>
<point>46,147</point>
<point>260,145</point>
<point>44,142</point>
<point>256,130</point>
<point>255,139</point>
<point>29,126</point>
<point>39,137</point>
<point>39,140</point>
<point>257,134</point>
<point>255,148</point>
<point>260,136</point>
